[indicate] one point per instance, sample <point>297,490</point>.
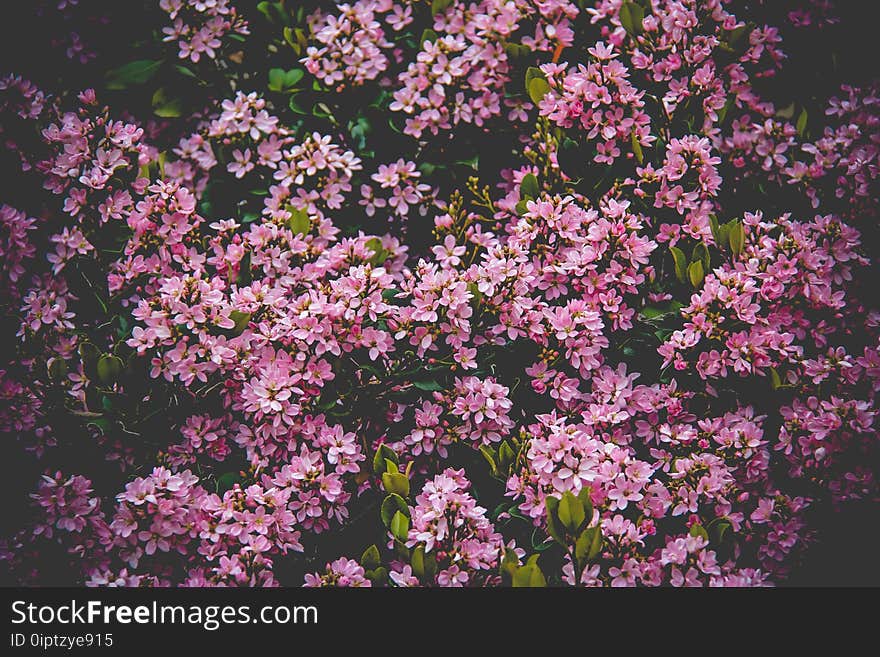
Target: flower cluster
<point>199,26</point>
<point>451,81</point>
<point>352,44</point>
<point>398,190</point>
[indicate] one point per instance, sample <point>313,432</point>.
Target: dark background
<point>849,538</point>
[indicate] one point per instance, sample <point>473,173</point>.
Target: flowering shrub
<point>392,293</point>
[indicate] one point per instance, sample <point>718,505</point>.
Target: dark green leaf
<point>529,576</point>
<point>698,530</point>
<point>587,502</point>
<point>551,505</point>
<point>680,263</point>
<point>637,148</point>
<point>701,253</point>
<point>588,545</point>
<point>533,73</point>
<point>538,88</point>
<point>506,456</point>
<point>370,559</point>
<point>428,386</point>
<point>802,123</point>
<point>696,274</point>
<point>737,238</point>
<point>399,526</point>
<point>395,482</point>
<point>109,368</point>
<point>529,188</point>
<point>570,512</point>
<point>383,453</point>
<point>241,321</point>
<point>166,107</point>
<point>133,73</point>
<point>391,505</point>
<point>490,457</point>
<point>227,481</point>
<point>631,17</point>
<point>299,222</point>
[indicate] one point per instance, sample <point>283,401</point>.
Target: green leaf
<point>637,148</point>
<point>738,33</point>
<point>418,561</point>
<point>588,545</point>
<point>265,8</point>
<point>380,255</point>
<point>290,38</point>
<point>736,41</point>
<point>427,386</point>
<point>133,73</point>
<point>227,481</point>
<point>516,50</point>
<point>245,276</point>
<point>680,263</point>
<point>295,106</point>
<point>293,76</point>
<point>571,512</point>
<point>109,368</point>
<point>439,5</point>
<point>183,70</point>
<point>281,80</point>
<point>489,455</point>
<point>701,253</point>
<point>631,17</point>
<point>299,223</point>
<point>718,529</point>
<point>529,576</point>
<point>698,530</point>
<point>586,502</point>
<point>399,526</point>
<point>716,230</point>
<point>428,35</point>
<point>276,79</point>
<point>391,505</point>
<point>472,162</point>
<point>377,575</point>
<point>551,505</point>
<point>529,188</point>
<point>241,321</point>
<point>424,564</point>
<point>521,208</point>
<point>802,122</point>
<point>89,355</point>
<point>538,88</point>
<point>370,559</point>
<point>775,380</point>
<point>533,73</point>
<point>786,112</point>
<point>56,368</point>
<point>737,238</point>
<point>509,563</point>
<point>165,107</point>
<point>506,457</point>
<point>383,453</point>
<point>395,482</point>
<point>653,312</point>
<point>696,274</point>
<point>476,295</point>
